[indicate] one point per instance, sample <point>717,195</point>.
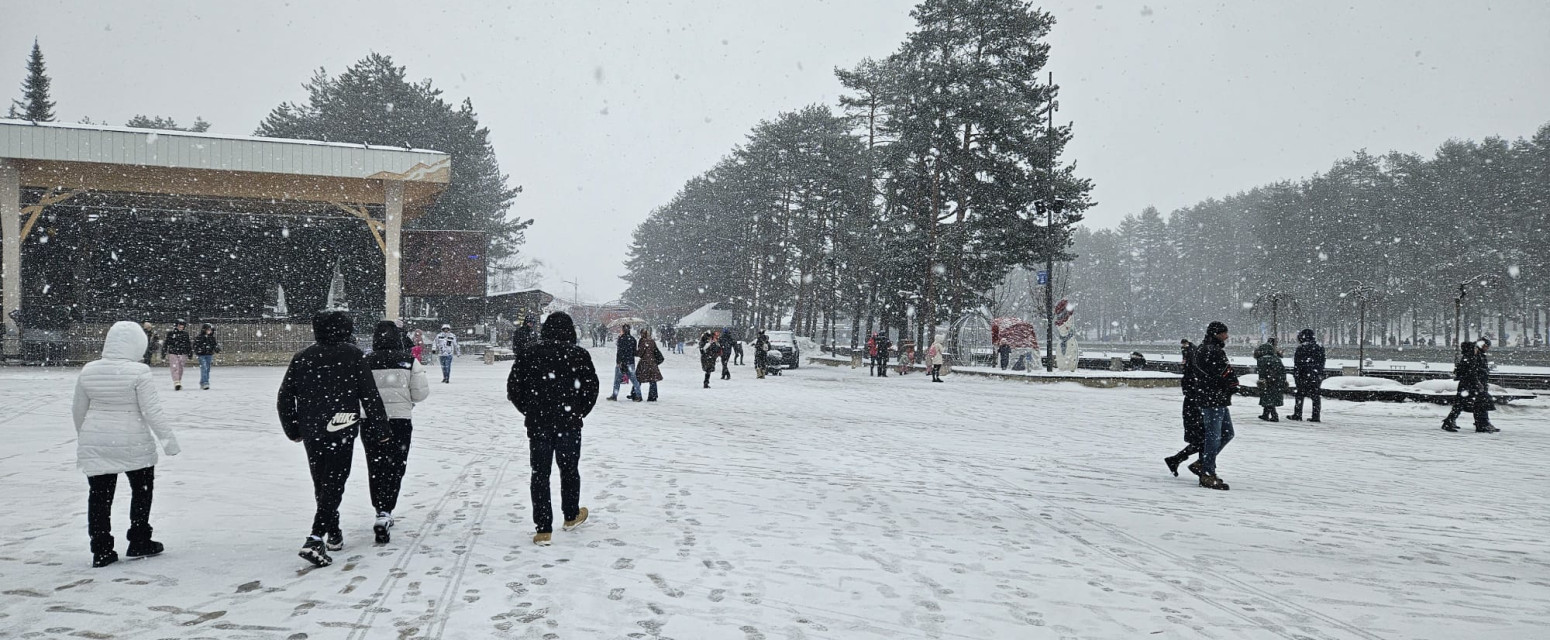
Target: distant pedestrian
<point>418,348</point>
<point>327,398</point>
<point>906,356</point>
<point>524,335</point>
<point>401,382</point>
<point>726,352</point>
<point>205,348</point>
<point>152,341</point>
<point>1308,373</point>
<point>761,355</point>
<point>1217,383</point>
<point>624,364</point>
<point>871,353</point>
<point>118,421</point>
<point>884,345</point>
<point>935,359</point>
<point>1473,373</point>
<point>175,349</point>
<point>1189,383</point>
<point>1272,380</point>
<point>554,387</point>
<point>649,370</point>
<point>1005,351</point>
<point>446,349</point>
<point>710,351</point>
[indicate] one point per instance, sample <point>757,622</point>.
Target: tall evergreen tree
<point>373,102</point>
<point>167,124</point>
<point>35,104</point>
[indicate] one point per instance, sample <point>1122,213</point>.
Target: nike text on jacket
<point>329,381</point>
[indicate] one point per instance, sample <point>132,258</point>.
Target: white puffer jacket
<point>116,408</point>
<point>401,388</point>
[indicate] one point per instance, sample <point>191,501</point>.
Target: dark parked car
<point>786,343</point>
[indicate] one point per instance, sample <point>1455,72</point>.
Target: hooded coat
<point>1215,381</point>
<point>1473,373</point>
<point>1272,376</point>
<point>400,379</point>
<point>205,343</point>
<point>329,387</point>
<point>710,350</point>
<point>1190,384</point>
<point>934,353</point>
<point>649,369</point>
<point>1308,360</point>
<point>116,409</point>
<point>554,385</point>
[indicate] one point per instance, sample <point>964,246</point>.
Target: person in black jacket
<point>1216,384</point>
<point>1308,371</point>
<point>1473,373</point>
<point>726,352</point>
<point>525,335</point>
<point>554,387</point>
<point>1193,422</point>
<point>205,348</point>
<point>883,345</point>
<point>710,350</point>
<point>328,394</point>
<point>624,364</point>
<point>175,349</point>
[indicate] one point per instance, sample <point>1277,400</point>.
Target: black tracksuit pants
<point>385,464</point>
<point>880,362</point>
<point>99,507</point>
<point>1310,390</point>
<point>546,447</point>
<point>329,458</point>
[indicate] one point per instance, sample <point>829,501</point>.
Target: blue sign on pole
<point>1043,278</point>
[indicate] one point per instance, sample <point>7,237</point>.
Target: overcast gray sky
<point>601,110</point>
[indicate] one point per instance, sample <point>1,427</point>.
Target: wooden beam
<point>33,211</point>
<point>375,226</point>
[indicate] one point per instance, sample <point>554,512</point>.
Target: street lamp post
<point>1364,293</point>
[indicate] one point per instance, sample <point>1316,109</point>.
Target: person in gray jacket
<point>401,381</point>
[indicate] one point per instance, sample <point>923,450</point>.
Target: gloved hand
<point>171,448</point>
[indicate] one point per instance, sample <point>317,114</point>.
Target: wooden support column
<point>393,219</point>
<point>11,252</point>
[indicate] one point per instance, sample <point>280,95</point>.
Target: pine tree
<point>34,105</point>
<point>166,124</point>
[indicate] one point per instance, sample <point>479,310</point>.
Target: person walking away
<point>175,349</point>
<point>1005,351</point>
<point>554,388</point>
<point>1217,383</point>
<point>649,371</point>
<point>118,421</point>
<point>1193,422</point>
<point>761,354</point>
<point>725,341</point>
<point>401,382</point>
<point>625,352</point>
<point>205,348</point>
<point>1474,388</point>
<point>1308,373</point>
<point>329,395</point>
<point>934,357</point>
<point>884,345</point>
<point>871,353</point>
<point>151,342</point>
<point>446,348</point>
<point>1272,380</point>
<point>524,335</point>
<point>710,351</point>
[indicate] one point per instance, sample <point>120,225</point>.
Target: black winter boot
<point>145,549</point>
<point>100,560</point>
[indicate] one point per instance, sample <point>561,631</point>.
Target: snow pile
<point>1362,383</point>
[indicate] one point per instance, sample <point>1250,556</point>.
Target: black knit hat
<point>1215,327</point>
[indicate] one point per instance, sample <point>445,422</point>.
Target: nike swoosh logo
<point>342,421</point>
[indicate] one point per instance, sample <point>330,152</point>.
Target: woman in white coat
<point>934,356</point>
<point>116,412</point>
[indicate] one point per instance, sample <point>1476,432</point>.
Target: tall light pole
<point>1049,230</point>
<point>1364,293</point>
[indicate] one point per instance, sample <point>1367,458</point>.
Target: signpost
<point>1043,278</point>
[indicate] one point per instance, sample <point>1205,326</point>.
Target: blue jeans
<point>626,371</point>
<point>1217,433</point>
<point>205,362</point>
<point>446,368</point>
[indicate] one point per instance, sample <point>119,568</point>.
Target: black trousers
<point>385,464</point>
<point>329,458</point>
<point>726,374</point>
<point>99,507</point>
<point>881,363</point>
<point>545,448</point>
<point>1482,417</point>
<point>1310,390</point>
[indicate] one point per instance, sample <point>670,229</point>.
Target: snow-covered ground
<point>820,504</point>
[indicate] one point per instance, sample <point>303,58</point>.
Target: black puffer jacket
<point>1308,361</point>
<point>1217,381</point>
<point>626,352</point>
<point>1473,372</point>
<point>328,386</point>
<point>205,344</point>
<point>554,384</point>
<point>176,343</point>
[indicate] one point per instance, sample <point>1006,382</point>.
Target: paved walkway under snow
<point>821,504</point>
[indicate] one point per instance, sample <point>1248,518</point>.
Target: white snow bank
<point>1362,383</point>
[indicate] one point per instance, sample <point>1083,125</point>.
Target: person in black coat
<point>176,349</point>
<point>1193,422</point>
<point>524,335</point>
<point>205,348</point>
<point>1216,383</point>
<point>710,351</point>
<point>726,343</point>
<point>1308,371</point>
<point>329,394</point>
<point>554,387</point>
<point>624,365</point>
<point>1473,373</point>
<point>883,345</point>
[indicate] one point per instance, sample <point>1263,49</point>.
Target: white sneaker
<point>383,524</point>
